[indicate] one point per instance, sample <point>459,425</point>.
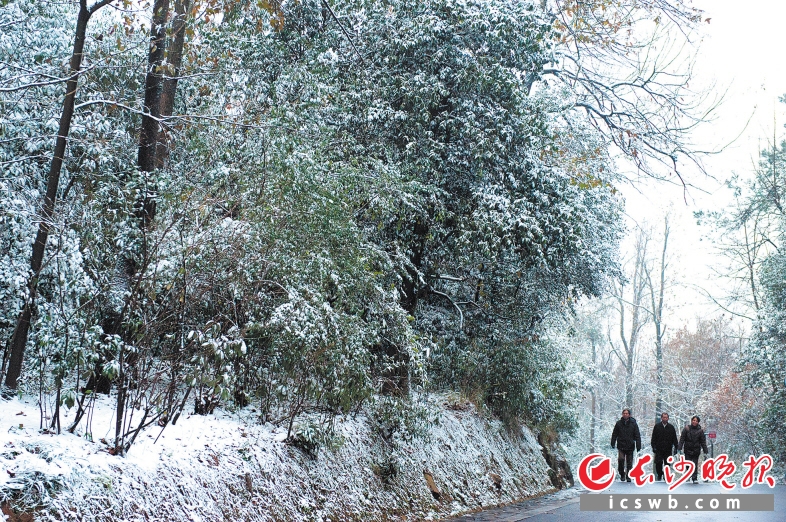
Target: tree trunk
<point>601,411</point>
<point>148,137</point>
<point>22,329</point>
<point>126,267</point>
<point>659,376</point>
<point>659,329</point>
<point>146,207</point>
<point>592,423</point>
<point>629,390</point>
<point>594,398</point>
<point>657,317</point>
<point>396,381</point>
<point>175,59</point>
<point>410,287</point>
<point>121,407</point>
<point>630,342</point>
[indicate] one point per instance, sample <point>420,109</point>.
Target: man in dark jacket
<point>664,443</point>
<point>693,441</point>
<point>626,437</point>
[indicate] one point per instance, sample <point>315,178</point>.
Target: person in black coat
<point>664,443</point>
<point>693,441</point>
<point>626,437</point>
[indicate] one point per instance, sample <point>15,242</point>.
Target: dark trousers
<point>695,460</point>
<point>622,457</point>
<point>660,459</point>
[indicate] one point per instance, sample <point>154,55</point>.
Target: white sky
<point>740,52</point>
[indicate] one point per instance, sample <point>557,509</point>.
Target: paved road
<point>564,506</point>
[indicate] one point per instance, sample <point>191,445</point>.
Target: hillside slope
<point>227,466</point>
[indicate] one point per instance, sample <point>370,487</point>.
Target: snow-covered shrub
<point>399,419</point>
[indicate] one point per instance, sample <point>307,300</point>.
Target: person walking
<point>692,442</point>
<point>664,443</point>
<point>626,437</point>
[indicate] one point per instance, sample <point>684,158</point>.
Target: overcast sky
<point>740,52</point>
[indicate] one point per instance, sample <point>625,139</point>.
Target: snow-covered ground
<point>227,466</point>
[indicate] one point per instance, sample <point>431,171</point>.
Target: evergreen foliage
<point>356,203</point>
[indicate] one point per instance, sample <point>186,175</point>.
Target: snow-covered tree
<point>302,206</point>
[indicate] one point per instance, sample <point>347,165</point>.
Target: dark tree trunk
<point>175,59</point>
<point>126,268</point>
<point>146,207</point>
<point>148,137</point>
<point>396,380</point>
<point>121,407</point>
<point>410,289</point>
<point>22,329</point>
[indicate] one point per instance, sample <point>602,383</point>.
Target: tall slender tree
<point>657,292</point>
<point>627,351</point>
<point>21,330</point>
